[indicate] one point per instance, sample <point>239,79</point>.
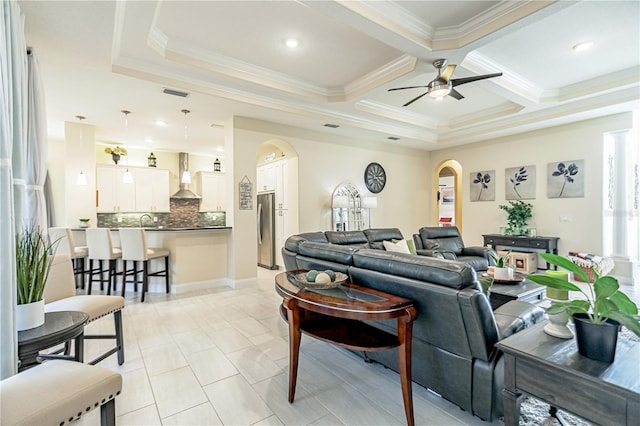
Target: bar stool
<point>101,249</point>
<point>67,245</point>
<point>135,249</point>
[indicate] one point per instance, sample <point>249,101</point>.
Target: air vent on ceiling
<point>393,138</point>
<point>175,92</point>
<point>333,126</point>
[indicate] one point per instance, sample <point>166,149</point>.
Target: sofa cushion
<point>347,238</point>
<point>330,252</point>
<point>396,247</point>
<point>448,239</point>
<point>383,234</point>
<point>447,273</point>
<point>293,241</point>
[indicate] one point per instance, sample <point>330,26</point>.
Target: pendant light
<point>127,177</point>
<point>81,179</point>
<point>186,176</point>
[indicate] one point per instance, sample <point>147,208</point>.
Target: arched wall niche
<point>447,169</point>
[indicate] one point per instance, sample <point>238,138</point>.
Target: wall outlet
<point>155,218</point>
<point>119,220</point>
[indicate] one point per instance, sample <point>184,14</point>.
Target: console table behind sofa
<point>548,244</point>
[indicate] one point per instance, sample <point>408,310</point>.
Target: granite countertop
<point>149,228</point>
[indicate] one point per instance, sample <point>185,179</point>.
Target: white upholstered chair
<point>60,295</point>
<point>101,249</point>
<point>67,245</point>
<point>134,249</point>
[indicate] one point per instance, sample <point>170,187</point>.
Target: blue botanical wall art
<point>520,183</point>
<point>483,186</point>
<point>565,179</point>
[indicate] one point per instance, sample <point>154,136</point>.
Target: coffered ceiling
<point>98,58</point>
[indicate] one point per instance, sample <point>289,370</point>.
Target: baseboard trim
<point>190,286</point>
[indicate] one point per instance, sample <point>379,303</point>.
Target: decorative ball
<point>323,278</point>
<point>331,274</point>
<point>311,275</point>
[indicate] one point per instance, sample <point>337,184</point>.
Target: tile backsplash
<point>184,213</point>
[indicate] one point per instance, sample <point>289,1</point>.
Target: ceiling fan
<point>443,84</point>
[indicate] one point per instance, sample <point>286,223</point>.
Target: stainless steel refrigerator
<point>267,231</point>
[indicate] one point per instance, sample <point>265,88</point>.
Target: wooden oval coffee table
<point>336,316</point>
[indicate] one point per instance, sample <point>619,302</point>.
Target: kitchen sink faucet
<point>145,215</point>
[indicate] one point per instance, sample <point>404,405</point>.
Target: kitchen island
<point>198,260</point>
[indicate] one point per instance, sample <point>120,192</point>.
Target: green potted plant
<point>599,315</point>
<point>84,222</point>
<point>501,271</point>
<point>518,213</point>
<point>34,255</point>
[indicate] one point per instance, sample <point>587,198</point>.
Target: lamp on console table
<point>369,203</point>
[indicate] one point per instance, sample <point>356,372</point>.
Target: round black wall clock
<point>374,177</point>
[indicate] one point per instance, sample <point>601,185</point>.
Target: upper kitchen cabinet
<point>266,177</point>
<point>149,191</point>
<point>212,189</point>
<point>112,194</point>
<point>276,176</point>
<point>152,190</point>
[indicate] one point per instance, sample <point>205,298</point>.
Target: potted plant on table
<point>518,213</point>
<point>34,256</point>
<point>598,317</point>
<point>84,222</point>
<point>501,271</point>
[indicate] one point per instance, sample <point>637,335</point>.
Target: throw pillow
<point>410,244</point>
<point>399,247</point>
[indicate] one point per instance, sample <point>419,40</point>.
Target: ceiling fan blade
<point>458,81</point>
<point>455,94</point>
<point>448,71</point>
<point>411,87</point>
<point>414,99</point>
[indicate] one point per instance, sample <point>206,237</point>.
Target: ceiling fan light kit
<point>443,85</point>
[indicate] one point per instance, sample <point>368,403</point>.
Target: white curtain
<point>13,94</point>
<point>35,212</point>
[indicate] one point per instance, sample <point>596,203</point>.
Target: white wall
<point>578,141</point>
<point>325,163</point>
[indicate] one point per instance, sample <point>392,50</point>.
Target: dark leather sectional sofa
<point>456,330</point>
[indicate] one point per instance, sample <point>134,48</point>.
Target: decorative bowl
<point>301,279</point>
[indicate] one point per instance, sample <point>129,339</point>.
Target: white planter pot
<point>502,273</point>
<point>30,315</point>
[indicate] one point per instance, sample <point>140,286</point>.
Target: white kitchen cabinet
<point>212,189</point>
<point>152,189</point>
<point>113,196</point>
<point>266,177</point>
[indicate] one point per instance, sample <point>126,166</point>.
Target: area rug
<point>534,412</point>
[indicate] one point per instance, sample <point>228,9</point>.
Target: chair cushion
<point>156,252</point>
<point>55,392</point>
<point>95,306</point>
<point>80,251</point>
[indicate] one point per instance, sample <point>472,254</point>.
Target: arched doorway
<point>448,191</point>
<point>277,192</point>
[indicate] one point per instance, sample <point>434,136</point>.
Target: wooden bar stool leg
<point>90,283</point>
<point>166,271</point>
<point>124,276</point>
<point>145,278</point>
<point>102,275</point>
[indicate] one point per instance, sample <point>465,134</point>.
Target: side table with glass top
<point>59,327</point>
<point>337,316</point>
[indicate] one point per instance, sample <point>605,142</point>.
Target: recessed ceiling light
<point>581,47</point>
<point>291,42</point>
<point>160,123</point>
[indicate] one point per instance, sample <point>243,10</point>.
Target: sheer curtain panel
<point>13,77</point>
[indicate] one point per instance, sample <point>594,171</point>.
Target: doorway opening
<point>448,189</point>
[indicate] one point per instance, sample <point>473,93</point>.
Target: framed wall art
<point>520,183</point>
<point>483,186</point>
<point>565,179</point>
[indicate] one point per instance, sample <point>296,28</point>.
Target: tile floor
<point>220,357</point>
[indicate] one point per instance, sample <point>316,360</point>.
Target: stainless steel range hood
<point>184,191</point>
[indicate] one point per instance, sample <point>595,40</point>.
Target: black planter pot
<point>596,341</point>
